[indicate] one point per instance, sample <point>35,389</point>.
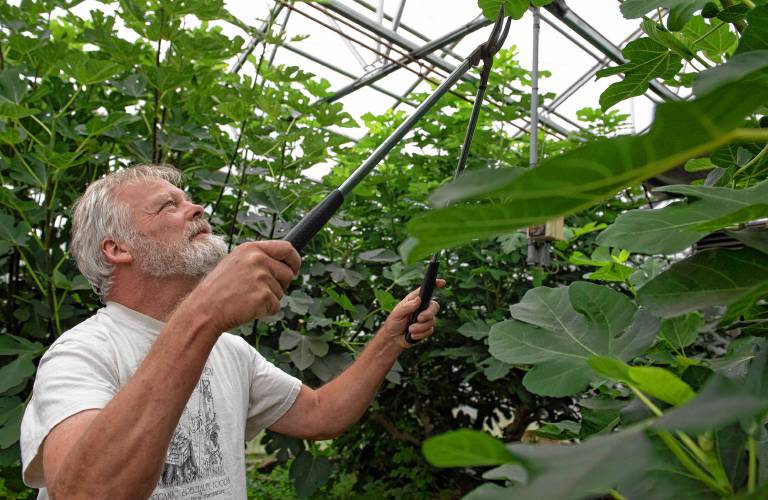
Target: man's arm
<point>119,451</point>
<point>328,411</point>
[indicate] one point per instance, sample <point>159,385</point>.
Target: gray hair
<point>98,215</point>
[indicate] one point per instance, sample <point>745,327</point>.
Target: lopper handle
<point>314,221</point>
<point>427,288</point>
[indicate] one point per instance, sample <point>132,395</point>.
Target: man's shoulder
<point>234,344</point>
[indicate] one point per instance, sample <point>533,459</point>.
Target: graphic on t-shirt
<point>194,452</point>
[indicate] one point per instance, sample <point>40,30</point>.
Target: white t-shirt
<point>239,394</point>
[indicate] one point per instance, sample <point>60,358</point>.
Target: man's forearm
<point>122,452</point>
<point>343,401</point>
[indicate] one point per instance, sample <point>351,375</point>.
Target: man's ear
<point>116,252</point>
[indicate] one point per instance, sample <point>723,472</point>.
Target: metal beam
<point>287,46</point>
<point>405,27</point>
<point>419,53</point>
<point>391,36</point>
<point>560,10</point>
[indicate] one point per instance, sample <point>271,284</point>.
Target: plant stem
<point>689,464</point>
<point>749,3</point>
<point>752,475</point>
<point>711,465</point>
<point>617,496</point>
<point>647,402</point>
<point>758,157</point>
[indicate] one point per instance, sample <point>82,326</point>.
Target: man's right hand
<point>248,283</point>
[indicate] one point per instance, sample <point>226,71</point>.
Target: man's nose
<point>196,211</point>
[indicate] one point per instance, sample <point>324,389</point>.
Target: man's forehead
<point>142,191</point>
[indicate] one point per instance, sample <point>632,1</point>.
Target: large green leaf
<point>737,67</point>
<point>755,37</point>
<point>680,11</point>
<point>652,380</point>
<point>564,472</point>
<point>10,345</point>
<point>465,448</point>
<point>579,178</point>
<point>679,225</point>
<point>647,59</point>
<point>11,411</point>
<point>514,8</point>
<point>309,473</point>
<point>16,372</point>
<point>710,278</point>
<point>714,39</point>
<point>558,329</point>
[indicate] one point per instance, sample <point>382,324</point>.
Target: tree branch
<point>393,431</point>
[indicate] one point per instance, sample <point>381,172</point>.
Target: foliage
<point>684,412</point>
<point>79,99</point>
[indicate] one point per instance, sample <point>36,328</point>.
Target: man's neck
<point>154,297</point>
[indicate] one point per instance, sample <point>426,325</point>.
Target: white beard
<point>187,257</point>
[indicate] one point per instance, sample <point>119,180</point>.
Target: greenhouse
<point>385,249</point>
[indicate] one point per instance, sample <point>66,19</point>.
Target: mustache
<point>196,227</point>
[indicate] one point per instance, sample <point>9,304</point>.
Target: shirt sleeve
<point>272,393</point>
<point>74,375</point>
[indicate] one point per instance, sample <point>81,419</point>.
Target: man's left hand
<point>397,321</point>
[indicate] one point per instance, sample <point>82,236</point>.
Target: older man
<point>149,397</point>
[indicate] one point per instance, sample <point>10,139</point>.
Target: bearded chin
<point>190,258</point>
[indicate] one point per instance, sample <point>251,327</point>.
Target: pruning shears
<point>316,219</point>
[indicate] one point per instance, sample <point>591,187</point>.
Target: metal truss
<point>431,59</point>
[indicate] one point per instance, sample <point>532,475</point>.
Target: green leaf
<point>476,329</point>
<point>752,237</point>
<point>11,345</point>
<point>465,448</point>
<point>584,176</point>
<point>341,299</point>
<point>680,11</point>
<point>11,412</point>
<point>654,381</point>
<point>558,378</point>
<point>647,59</point>
<point>559,329</point>
<point>679,225</point>
<point>576,471</point>
<point>681,331</point>
<point>309,473</point>
<point>715,39</point>
<point>88,70</point>
<point>386,300</point>
<point>714,277</point>
<point>16,372</point>
<point>379,255</point>
<point>661,384</point>
<point>514,8</point>
<point>719,403</point>
<point>755,37</point>
<point>737,67</point>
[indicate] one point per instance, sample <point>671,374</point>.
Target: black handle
<point>314,221</point>
<point>427,288</point>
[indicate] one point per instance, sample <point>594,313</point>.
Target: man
<point>148,397</point>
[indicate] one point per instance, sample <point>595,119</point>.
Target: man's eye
<point>169,203</point>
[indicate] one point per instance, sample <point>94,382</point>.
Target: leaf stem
<point>617,496</point>
<point>749,3</point>
<point>752,475</point>
<point>758,157</point>
<point>689,464</point>
<point>713,466</point>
